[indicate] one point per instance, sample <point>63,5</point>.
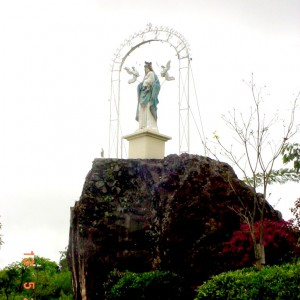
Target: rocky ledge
<point>141,215</point>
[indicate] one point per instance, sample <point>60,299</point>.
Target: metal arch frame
<point>148,35</point>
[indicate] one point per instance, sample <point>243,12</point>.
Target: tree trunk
<point>260,256</point>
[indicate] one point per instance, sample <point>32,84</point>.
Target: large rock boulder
<point>140,215</point>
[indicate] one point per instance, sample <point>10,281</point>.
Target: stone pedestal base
<point>146,143</point>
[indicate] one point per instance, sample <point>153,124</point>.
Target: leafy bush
<point>277,282</point>
<point>280,243</point>
<point>50,282</point>
<point>148,285</point>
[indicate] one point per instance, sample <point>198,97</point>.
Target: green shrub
<point>276,282</point>
<point>148,285</point>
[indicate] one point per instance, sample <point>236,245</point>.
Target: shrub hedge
<point>149,285</point>
<point>276,282</point>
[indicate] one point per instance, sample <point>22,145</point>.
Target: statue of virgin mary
<point>148,91</point>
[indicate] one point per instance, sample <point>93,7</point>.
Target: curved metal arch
<point>139,45</point>
<point>150,34</point>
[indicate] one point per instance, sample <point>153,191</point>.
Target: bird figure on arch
<point>135,74</point>
<point>164,73</point>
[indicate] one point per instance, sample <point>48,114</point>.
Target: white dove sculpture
<point>164,71</point>
<point>135,74</point>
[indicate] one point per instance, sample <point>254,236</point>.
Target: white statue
<point>135,74</point>
<point>148,91</point>
<point>164,71</point>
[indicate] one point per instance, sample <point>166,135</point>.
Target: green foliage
<point>149,285</point>
<point>291,153</point>
<point>280,176</point>
<point>49,281</point>
<point>63,263</point>
<point>271,283</point>
<point>11,279</point>
<point>113,277</point>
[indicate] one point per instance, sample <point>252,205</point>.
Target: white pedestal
<point>146,143</point>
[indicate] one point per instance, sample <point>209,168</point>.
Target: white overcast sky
<point>55,58</point>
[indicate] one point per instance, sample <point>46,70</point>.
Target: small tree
<point>258,160</point>
<point>50,282</point>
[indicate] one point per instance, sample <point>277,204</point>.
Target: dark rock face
<point>140,215</point>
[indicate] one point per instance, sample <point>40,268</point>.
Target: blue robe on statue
<point>148,95</point>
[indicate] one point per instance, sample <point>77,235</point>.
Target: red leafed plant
<point>280,242</point>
